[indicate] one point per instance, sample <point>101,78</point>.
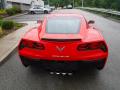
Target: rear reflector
<point>92,46</point>
<point>31,44</point>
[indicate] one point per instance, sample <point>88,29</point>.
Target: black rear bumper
<point>61,65</point>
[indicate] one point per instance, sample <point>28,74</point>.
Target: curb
<point>2,59</point>
<point>10,17</point>
<point>7,53</point>
<point>12,47</point>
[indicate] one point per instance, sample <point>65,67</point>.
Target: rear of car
<point>63,41</point>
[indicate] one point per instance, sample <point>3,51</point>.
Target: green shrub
<point>3,12</point>
<point>16,9</point>
<point>7,25</point>
<point>10,11</point>
<point>1,32</point>
<point>1,17</point>
<point>1,22</point>
<point>18,25</point>
<point>13,10</point>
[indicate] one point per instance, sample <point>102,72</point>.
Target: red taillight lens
<point>31,44</point>
<point>82,47</point>
<point>38,46</point>
<point>92,46</point>
<point>103,46</point>
<point>23,44</point>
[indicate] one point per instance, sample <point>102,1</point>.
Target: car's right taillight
<point>31,44</point>
<point>103,46</point>
<point>92,46</point>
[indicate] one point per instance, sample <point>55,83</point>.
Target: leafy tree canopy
<point>108,4</point>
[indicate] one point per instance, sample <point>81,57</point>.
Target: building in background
<point>23,4</point>
<point>37,2</point>
<point>2,4</point>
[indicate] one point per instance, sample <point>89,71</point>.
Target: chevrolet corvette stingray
<point>62,41</point>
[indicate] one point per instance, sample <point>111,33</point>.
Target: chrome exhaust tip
<point>63,74</point>
<point>70,74</point>
<point>58,73</point>
<point>51,73</point>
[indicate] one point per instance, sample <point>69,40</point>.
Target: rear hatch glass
<point>63,25</point>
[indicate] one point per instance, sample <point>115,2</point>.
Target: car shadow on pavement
<point>82,73</point>
<point>85,76</point>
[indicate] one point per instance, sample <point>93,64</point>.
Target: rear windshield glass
<point>63,25</point>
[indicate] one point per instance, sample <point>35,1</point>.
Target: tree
<point>108,4</point>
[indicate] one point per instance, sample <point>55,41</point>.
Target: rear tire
<point>32,12</point>
<point>46,12</point>
<point>100,64</point>
<point>25,62</point>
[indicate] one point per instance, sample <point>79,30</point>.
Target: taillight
<point>31,44</point>
<point>38,46</point>
<point>82,47</point>
<point>92,46</point>
<point>103,46</point>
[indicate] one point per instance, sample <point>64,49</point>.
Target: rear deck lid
<point>61,37</point>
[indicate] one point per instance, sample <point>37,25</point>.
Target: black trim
<point>52,61</point>
<point>54,65</point>
<point>60,40</point>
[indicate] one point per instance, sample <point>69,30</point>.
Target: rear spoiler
<point>60,40</point>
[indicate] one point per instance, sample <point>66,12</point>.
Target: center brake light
<point>92,46</point>
<point>31,44</point>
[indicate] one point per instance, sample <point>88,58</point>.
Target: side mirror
<point>91,22</point>
<point>39,21</point>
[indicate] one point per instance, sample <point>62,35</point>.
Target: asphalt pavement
<point>28,17</point>
<point>13,76</point>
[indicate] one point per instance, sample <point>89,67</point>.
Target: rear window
<point>63,25</point>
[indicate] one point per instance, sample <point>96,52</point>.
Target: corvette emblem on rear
<point>60,48</point>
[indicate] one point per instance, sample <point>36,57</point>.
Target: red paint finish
<point>87,45</point>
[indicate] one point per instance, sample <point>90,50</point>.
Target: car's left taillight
<point>31,44</point>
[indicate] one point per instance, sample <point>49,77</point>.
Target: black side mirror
<point>91,22</point>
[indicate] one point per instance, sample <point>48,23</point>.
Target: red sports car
<point>62,41</point>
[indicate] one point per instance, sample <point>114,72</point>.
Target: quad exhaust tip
<point>61,73</point>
